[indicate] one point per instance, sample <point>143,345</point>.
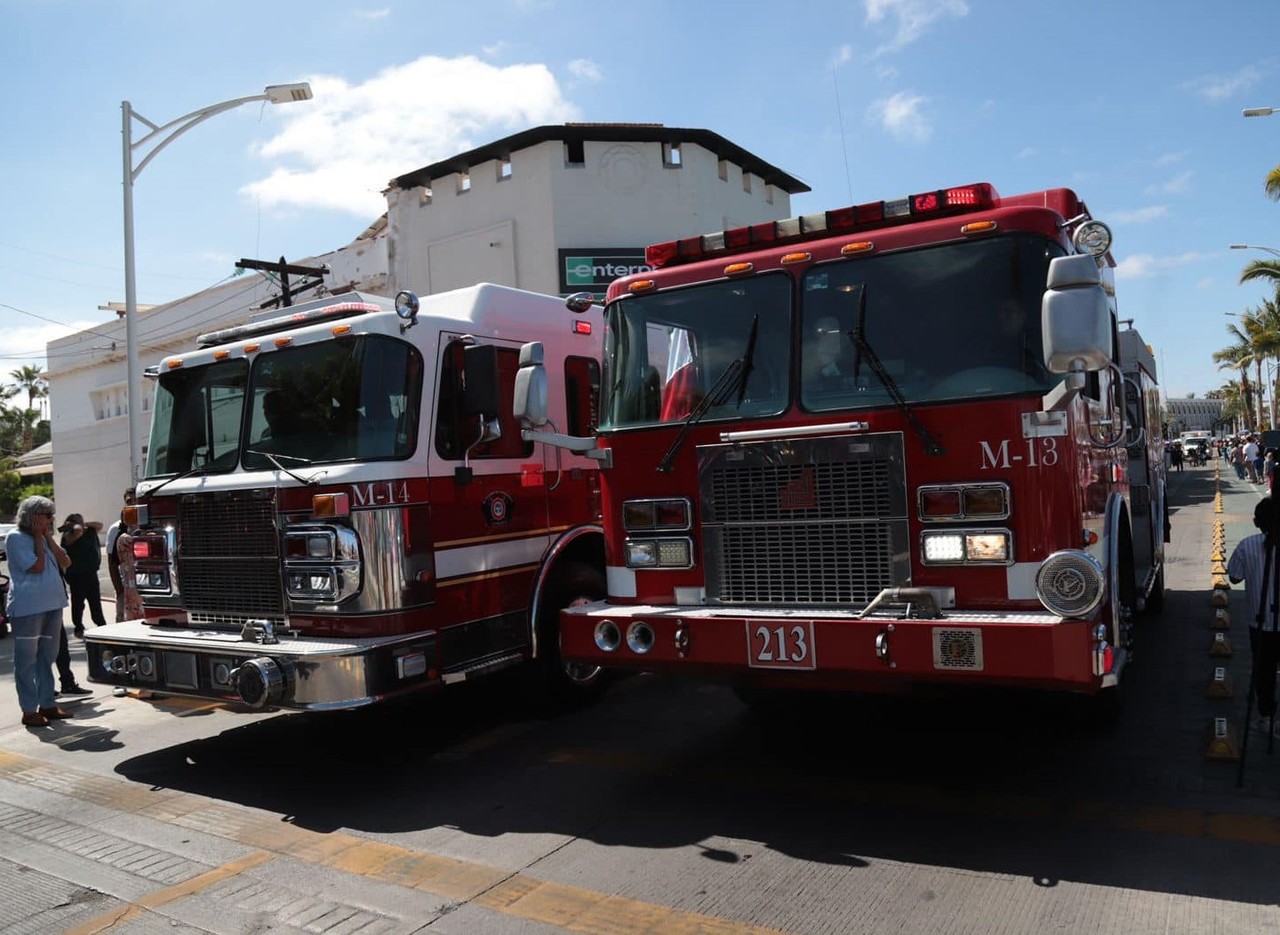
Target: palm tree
<point>31,380</point>
<point>1238,357</point>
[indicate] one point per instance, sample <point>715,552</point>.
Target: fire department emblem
<point>497,508</point>
<point>799,493</point>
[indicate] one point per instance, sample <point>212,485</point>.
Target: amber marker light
<point>251,348</point>
<point>175,364</point>
<point>328,505</point>
<point>738,269</point>
<point>860,246</point>
<point>642,285</point>
<point>219,355</point>
<point>339,330</point>
<point>801,257</point>
<point>283,342</point>
<point>978,227</point>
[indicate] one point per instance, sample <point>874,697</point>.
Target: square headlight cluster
<point>658,516</point>
<point>967,503</point>
<point>967,547</point>
<point>320,563</point>
<point>311,584</point>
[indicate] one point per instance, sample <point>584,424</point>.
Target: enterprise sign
<point>591,270</point>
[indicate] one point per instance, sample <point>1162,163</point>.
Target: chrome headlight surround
<point>659,553</point>
<point>962,503</point>
<point>321,563</point>
<point>979,546</point>
<point>674,514</point>
<point>1071,583</point>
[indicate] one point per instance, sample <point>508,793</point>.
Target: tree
<point>30,379</point>
<point>1238,357</point>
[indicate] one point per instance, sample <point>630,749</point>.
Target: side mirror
<point>1075,316</point>
<point>480,380</point>
<point>530,398</point>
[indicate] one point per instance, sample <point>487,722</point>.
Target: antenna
<point>844,145</point>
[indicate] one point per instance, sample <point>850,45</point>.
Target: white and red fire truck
<point>896,444</point>
<point>334,511</point>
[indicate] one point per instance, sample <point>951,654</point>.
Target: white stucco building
<point>554,209</point>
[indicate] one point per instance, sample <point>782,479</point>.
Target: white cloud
<point>585,70</point>
<point>343,147</point>
<point>901,115</point>
<point>1169,159</point>
<point>498,48</point>
<point>374,14</point>
<point>1027,152</point>
<point>910,19</point>
<point>1143,265</point>
<point>1141,215</point>
<point>23,346</point>
<point>1174,186</point>
<point>843,55</point>
<point>1220,87</point>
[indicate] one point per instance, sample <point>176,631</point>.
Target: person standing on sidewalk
<point>1250,454</point>
<point>113,558</point>
<point>36,599</point>
<point>1248,563</point>
<point>81,543</point>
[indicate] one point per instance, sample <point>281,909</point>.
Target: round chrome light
<point>1092,237</point>
<point>608,636</point>
<point>407,305</point>
<point>1071,583</point>
<point>259,682</point>
<point>640,637</point>
<point>146,666</point>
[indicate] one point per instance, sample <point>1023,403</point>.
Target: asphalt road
<point>668,807</point>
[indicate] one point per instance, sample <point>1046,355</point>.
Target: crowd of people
<point>50,569</point>
<point>1244,453</point>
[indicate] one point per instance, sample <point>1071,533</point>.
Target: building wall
<point>1187,415</point>
<point>504,226</point>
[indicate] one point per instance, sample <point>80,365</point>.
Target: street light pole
<point>1250,246</point>
<point>162,136</point>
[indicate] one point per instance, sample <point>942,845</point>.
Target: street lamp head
<point>1259,111</point>
<point>1238,246</point>
<point>287,93</point>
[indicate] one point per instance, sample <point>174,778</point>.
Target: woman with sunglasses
<point>36,599</point>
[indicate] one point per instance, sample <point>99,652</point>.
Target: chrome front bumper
<point>293,672</point>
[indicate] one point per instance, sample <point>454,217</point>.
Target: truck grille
<point>228,562</point>
<point>807,522</point>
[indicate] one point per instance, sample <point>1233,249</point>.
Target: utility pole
<point>284,269</point>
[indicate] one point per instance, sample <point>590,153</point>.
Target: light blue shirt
<point>31,592</point>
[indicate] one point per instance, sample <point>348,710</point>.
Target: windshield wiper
<point>309,481</point>
<point>734,377</point>
<point>858,336</point>
<point>189,472</point>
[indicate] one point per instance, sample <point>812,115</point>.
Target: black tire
<point>568,685</point>
<point>1155,600</point>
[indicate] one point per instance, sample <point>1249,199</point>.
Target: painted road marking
<point>511,893</point>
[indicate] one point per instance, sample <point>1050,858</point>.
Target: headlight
<point>655,514</point>
<point>967,547</point>
<point>950,503</point>
<point>1071,583</point>
<point>659,553</point>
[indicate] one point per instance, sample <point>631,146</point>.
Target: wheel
<point>568,684</point>
<point>1155,600</point>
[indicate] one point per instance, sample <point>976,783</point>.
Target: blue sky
<point>1136,104</point>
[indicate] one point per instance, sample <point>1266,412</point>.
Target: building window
<point>504,168</point>
<point>464,182</point>
<point>746,181</point>
<point>424,195</point>
<point>671,155</point>
<point>573,153</point>
<point>768,194</point>
<point>722,167</point>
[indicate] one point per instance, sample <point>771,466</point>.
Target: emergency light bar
<point>336,310</point>
<point>944,202</point>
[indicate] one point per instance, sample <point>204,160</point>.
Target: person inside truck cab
<point>281,422</point>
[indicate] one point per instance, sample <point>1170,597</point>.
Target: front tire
<point>567,684</point>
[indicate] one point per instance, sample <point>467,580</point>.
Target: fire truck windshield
<point>952,321</point>
<point>354,399</point>
<point>664,352</point>
<point>955,321</point>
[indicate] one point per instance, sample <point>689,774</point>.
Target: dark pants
<point>1266,653</point>
<point>63,662</point>
<point>84,588</point>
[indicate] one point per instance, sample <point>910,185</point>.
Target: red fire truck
<point>896,444</point>
<point>334,511</point>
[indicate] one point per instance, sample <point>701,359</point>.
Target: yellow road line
<point>170,893</point>
<point>510,893</point>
